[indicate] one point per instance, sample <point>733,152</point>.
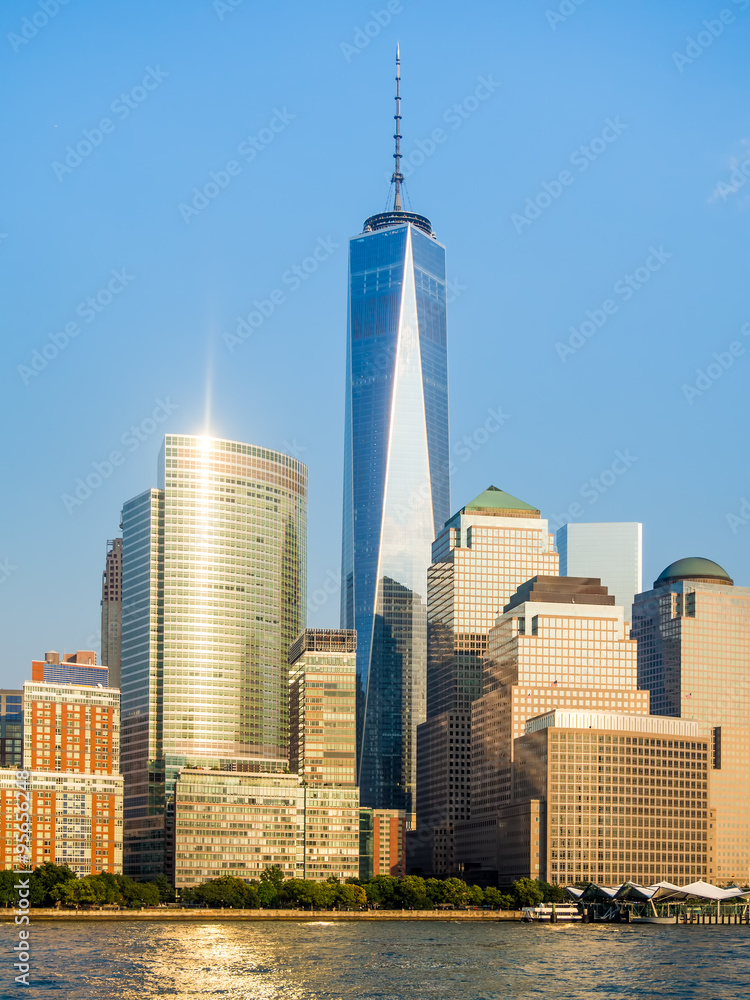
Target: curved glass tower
<point>214,567</point>
<point>396,482</point>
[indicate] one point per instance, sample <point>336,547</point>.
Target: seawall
<point>61,916</point>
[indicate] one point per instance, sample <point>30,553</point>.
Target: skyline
<point>542,431</point>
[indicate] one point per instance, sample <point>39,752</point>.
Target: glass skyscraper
<point>214,564</point>
<point>396,482</point>
<point>611,551</point>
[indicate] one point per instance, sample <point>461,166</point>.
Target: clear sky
<point>115,116</point>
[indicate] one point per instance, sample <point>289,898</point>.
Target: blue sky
<point>642,235</point>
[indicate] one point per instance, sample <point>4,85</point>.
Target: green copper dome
<point>694,568</point>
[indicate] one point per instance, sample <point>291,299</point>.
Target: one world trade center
<point>396,480</point>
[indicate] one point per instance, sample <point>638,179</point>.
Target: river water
<point>390,961</point>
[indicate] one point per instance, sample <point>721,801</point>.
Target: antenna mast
<point>397,177</point>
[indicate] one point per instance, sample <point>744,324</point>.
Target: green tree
<point>476,895</point>
<point>412,893</point>
<point>456,892</point>
<point>8,895</point>
<point>435,889</point>
<point>496,899</point>
<point>552,893</point>
<point>305,892</point>
<point>144,893</point>
<point>526,892</point>
<point>346,895</point>
<point>92,890</point>
<point>273,875</point>
<point>351,895</point>
<point>44,879</point>
<point>382,891</point>
<point>267,893</point>
<point>164,888</point>
<point>226,891</point>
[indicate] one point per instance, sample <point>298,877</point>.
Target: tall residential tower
<point>396,483</point>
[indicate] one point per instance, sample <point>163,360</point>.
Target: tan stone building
<point>561,642</point>
<point>693,631</point>
<point>482,555</point>
<point>608,798</point>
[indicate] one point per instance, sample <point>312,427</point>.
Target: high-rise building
<point>75,668</point>
<point>112,610</point>
<point>480,558</point>
<point>693,632</point>
<point>613,552</point>
<point>609,797</point>
<point>382,839</point>
<point>396,483</point>
<point>561,642</point>
<point>11,728</point>
<point>322,748</point>
<point>71,756</point>
<point>214,564</point>
<point>71,728</point>
<point>76,820</point>
<point>322,707</point>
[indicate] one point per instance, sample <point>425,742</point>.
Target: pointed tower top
<point>499,503</point>
<point>397,216</point>
<point>397,177</point>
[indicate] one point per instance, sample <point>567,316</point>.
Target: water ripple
<point>329,961</point>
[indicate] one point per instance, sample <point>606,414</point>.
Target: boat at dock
<point>548,911</point>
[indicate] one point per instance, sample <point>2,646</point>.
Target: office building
<point>482,555</point>
<point>75,668</point>
<point>112,610</point>
<point>693,631</point>
<point>613,552</point>
<point>236,824</point>
<point>609,797</point>
<point>396,482</point>
<point>322,707</point>
<point>322,748</point>
<point>214,567</point>
<point>561,642</point>
<point>331,832</point>
<point>11,728</point>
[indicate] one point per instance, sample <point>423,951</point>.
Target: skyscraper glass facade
<point>214,565</point>
<point>396,486</point>
<point>612,552</point>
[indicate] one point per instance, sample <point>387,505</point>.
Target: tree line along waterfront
<point>53,885</point>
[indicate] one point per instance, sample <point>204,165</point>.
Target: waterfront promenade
<point>338,916</point>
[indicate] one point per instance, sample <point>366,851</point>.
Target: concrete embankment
<point>305,915</point>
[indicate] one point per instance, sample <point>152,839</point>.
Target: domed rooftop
<point>694,568</point>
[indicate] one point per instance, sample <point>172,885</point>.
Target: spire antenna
<point>397,178</point>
